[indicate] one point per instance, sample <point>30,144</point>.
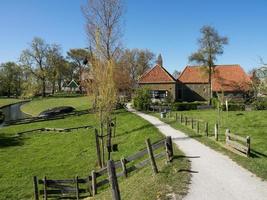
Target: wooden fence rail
<point>237,144</point>
<point>241,144</point>
<point>89,186</point>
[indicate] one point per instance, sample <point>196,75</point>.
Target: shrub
<point>234,107</point>
<point>142,99</point>
<point>260,105</point>
<point>180,106</point>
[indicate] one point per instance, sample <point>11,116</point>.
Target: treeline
<point>42,68</point>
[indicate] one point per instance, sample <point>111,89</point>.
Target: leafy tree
<point>35,58</point>
<point>57,66</point>
<point>78,58</point>
<point>210,46</point>
<point>11,79</point>
<point>142,98</point>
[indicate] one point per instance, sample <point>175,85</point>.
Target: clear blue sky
<point>169,27</point>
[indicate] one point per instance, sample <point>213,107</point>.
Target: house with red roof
<point>160,82</point>
<point>193,82</point>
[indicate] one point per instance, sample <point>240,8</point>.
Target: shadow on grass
<point>6,141</point>
<point>187,170</point>
<point>256,154</point>
<point>135,129</point>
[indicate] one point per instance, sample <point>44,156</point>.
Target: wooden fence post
<point>123,166</point>
<point>77,187</point>
<point>185,120</point>
<point>248,145</point>
<point>181,118</point>
<point>207,128</point>
<point>192,123</point>
<point>151,156</point>
<point>176,117</point>
<point>197,126</point>
<point>227,136</point>
<point>94,187</point>
<point>113,180</point>
<point>98,149</point>
<point>114,126</point>
<point>89,185</point>
<point>216,131</point>
<point>169,148</point>
<point>35,185</point>
<point>45,187</point>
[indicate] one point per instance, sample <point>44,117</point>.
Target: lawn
<point>36,106</point>
<point>65,155</point>
<point>8,101</point>
<point>244,123</point>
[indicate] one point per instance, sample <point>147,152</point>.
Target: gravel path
<point>214,176</point>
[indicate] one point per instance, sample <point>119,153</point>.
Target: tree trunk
<point>53,86</point>
<point>210,87</point>
<point>43,87</point>
<point>59,84</point>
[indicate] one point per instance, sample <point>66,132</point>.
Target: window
<point>158,94</point>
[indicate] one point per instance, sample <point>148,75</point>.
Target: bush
<point>142,99</point>
<point>260,105</point>
<point>234,107</point>
<point>180,106</point>
<point>215,102</point>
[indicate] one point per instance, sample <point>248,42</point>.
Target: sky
<point>169,27</point>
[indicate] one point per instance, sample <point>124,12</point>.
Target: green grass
<point>8,101</point>
<point>65,155</point>
<point>243,123</point>
<point>172,179</point>
<point>36,106</point>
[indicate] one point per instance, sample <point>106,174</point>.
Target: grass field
<point>36,106</point>
<point>252,123</point>
<point>65,155</point>
<point>7,101</point>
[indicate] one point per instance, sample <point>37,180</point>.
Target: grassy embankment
<point>243,123</point>
<point>36,106</point>
<point>65,155</point>
<point>8,101</point>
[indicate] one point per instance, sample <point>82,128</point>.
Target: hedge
<point>180,106</point>
<point>234,107</point>
<point>260,105</point>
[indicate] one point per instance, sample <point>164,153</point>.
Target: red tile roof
<point>157,74</point>
<point>224,78</point>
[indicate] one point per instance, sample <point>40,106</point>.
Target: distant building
<point>193,85</point>
<point>160,82</point>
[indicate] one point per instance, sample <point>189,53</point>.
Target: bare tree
<point>176,74</point>
<point>135,62</point>
<point>210,45</point>
<point>103,26</point>
<point>35,58</point>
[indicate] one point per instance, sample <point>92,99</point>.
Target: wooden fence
<point>241,144</point>
<point>77,187</point>
<point>238,143</point>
